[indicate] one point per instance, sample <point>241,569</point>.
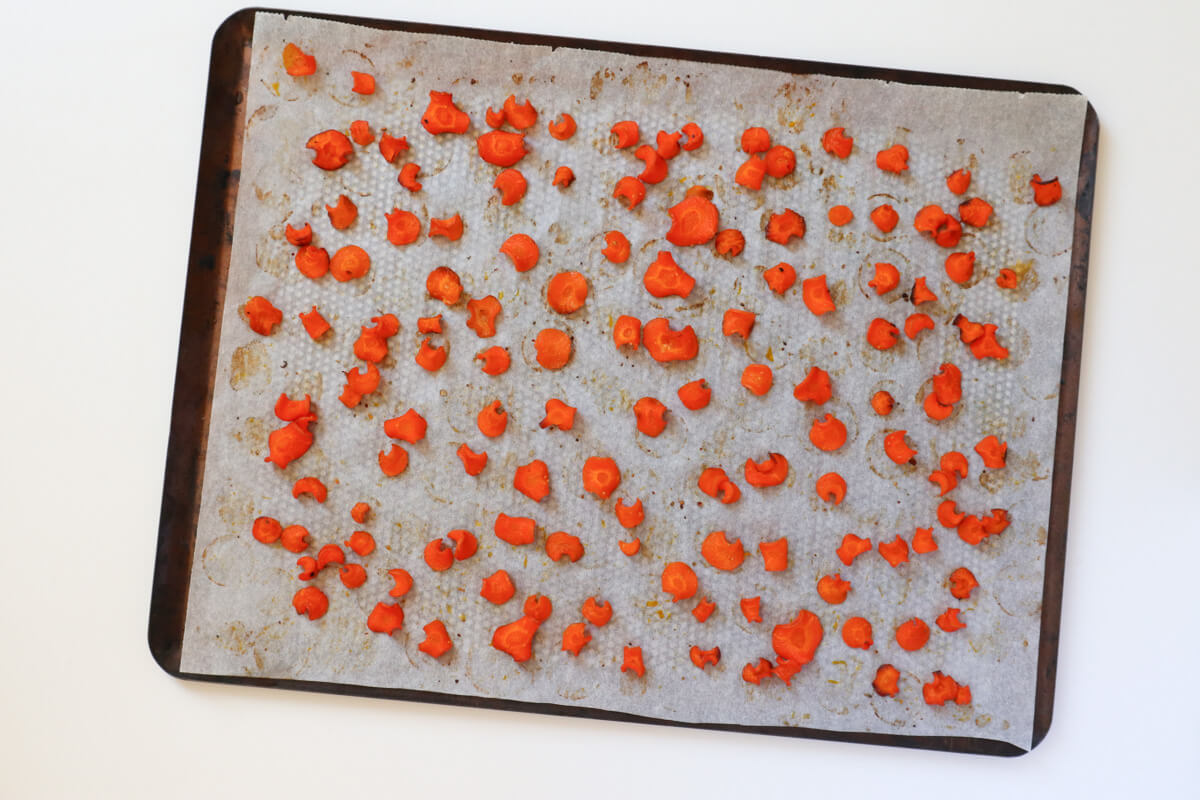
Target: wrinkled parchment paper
<point>240,620</point>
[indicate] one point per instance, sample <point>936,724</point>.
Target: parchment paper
<point>240,620</point>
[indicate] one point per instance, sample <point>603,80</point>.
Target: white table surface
<point>102,107</point>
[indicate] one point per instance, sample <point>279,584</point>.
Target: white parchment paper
<point>240,620</point>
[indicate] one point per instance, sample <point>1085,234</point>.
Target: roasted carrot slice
<point>780,277</point>
<point>492,420</point>
<point>407,177</point>
<point>949,622</point>
<point>894,552</point>
<point>314,324</point>
<point>308,568</point>
<point>359,382</point>
<point>944,480</point>
<point>664,344</point>
<point>954,461</point>
<point>774,554</point>
<point>758,379</point>
<point>992,451</point>
<point>294,538</point>
<point>960,266</point>
<point>751,608</point>
<point>948,515</point>
<point>352,576</point>
<point>755,140</point>
<point>394,461</point>
<point>816,388</point>
<point>962,583</point>
<point>630,548</point>
<point>996,523</point>
<point>913,634</point>
<point>694,136</point>
<point>288,443</point>
<point>1045,193</point>
<point>626,134</point>
<point>438,556</point>
<point>266,530</point>
<point>739,322</point>
<point>630,190</point>
<point>695,395</point>
<point>596,614</point>
<point>562,544</point>
<point>816,295</point>
<point>330,554</point>
<point>496,360</point>
<point>833,589</point>
<point>917,323</point>
<point>893,159</point>
<point>836,142</point>
<point>450,228</point>
<point>437,641</point>
<point>312,487</point>
<point>679,581</point>
<point>796,642</point>
<point>516,531</point>
<point>558,415</point>
<point>516,638</point>
<point>601,476</point>
<point>840,215</point>
<point>651,416</point>
<point>923,541</point>
<point>563,176</point>
<point>298,236</point>
<point>943,688</point>
<point>656,166</point>
<point>882,403</point>
<point>443,284</point>
<point>721,553</point>
<point>784,226</point>
<point>553,348</point>
<point>703,610</point>
<point>667,144</point>
<point>631,661</point>
<point>831,487</point>
<point>512,186</point>
<point>897,449</point>
<point>1007,279</point>
<point>616,247</point>
<point>885,218</point>
<point>886,683</point>
<point>501,148</point>
<point>360,132</point>
<point>290,410</point>
<point>881,334</point>
<point>349,262</point>
<point>538,607</point>
<point>694,219</point>
<point>827,433</point>
<point>754,673</point>
<point>472,462</point>
<point>921,294</point>
<point>390,147</point>
<point>887,277</point>
<point>522,116</point>
<point>332,149</point>
<point>533,480</point>
<point>310,601</point>
<point>481,315</point>
<point>403,227</point>
<point>431,358</point>
<point>409,427</point>
<point>575,637</point>
<point>852,547</point>
<point>261,315</point>
<point>857,633</point>
<point>522,250</point>
<point>562,128</point>
<point>975,212</point>
<point>361,543</point>
<point>629,516</point>
<point>947,385</point>
<point>297,63</point>
<point>627,331</point>
<point>729,242</point>
<point>566,292</point>
<point>442,116</point>
<point>715,483</point>
<point>779,161</point>
<point>772,471</point>
<point>959,181</point>
<point>751,173</point>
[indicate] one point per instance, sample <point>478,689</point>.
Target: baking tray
<point>218,182</point>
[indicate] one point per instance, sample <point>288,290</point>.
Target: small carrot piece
<point>501,148</point>
<point>561,544</point>
<point>431,358</point>
<point>330,554</point>
<point>312,602</point>
<point>729,242</point>
<point>332,149</point>
<point>443,116</point>
<point>1045,193</point>
<point>496,360</point>
<point>923,541</point>
<point>897,449</point>
<point>563,176</point>
<point>516,531</point>
<point>758,379</point>
<point>266,530</point>
<point>558,415</point>
<point>312,487</point>
<point>949,622</point>
<point>887,277</point>
<point>857,633</point>
<point>553,348</point>
<point>630,190</point>
<point>516,638</point>
<point>751,608</point>
<point>444,284</point>
<point>450,228</point>
<point>481,315</point>
<point>831,487</point>
<point>298,236</point>
<point>409,427</point>
<point>361,543</point>
<point>665,345</point>
<point>407,177</point>
<point>885,218</point>
<point>296,62</point>
<point>852,547</point>
<point>359,382</point>
<point>721,553</point>
<point>656,166</point>
<point>631,661</point>
<point>960,266</point>
<point>751,173</point>
<point>774,554</point>
<point>992,451</point>
<point>403,227</point>
<point>715,483</point>
<point>394,461</point>
<point>737,321</point>
<point>835,142</point>
<point>881,334</point>
<point>962,583</point>
<point>833,589</point>
<point>294,538</point>
<point>1007,279</point>
<point>563,128</point>
<point>703,610</point>
<point>533,480</point>
<point>882,403</point>
<point>651,416</point>
<point>512,186</point>
<point>694,219</point>
<point>915,323</point>
<point>975,212</point>
<point>626,134</point>
<point>667,144</point>
<point>473,463</point>
<point>695,395</point>
<point>390,147</point>
<point>894,552</point>
<point>629,516</point>
<point>523,116</point>
<point>627,331</point>
<point>921,294</point>
<point>827,433</point>
<point>893,159</point>
<point>492,420</point>
<point>913,634</point>
<point>601,476</point>
<point>779,161</point>
<point>959,181</point>
<point>308,568</point>
<point>840,216</point>
<point>566,292</point>
<point>522,250</point>
<point>438,556</point>
<point>616,247</point>
<point>816,295</point>
<point>437,641</point>
<point>771,471</point>
<point>595,613</point>
<point>816,388</point>
<point>630,548</point>
<point>261,315</point>
<point>575,637</point>
<point>886,683</point>
<point>780,277</point>
<point>364,83</point>
<point>679,581</point>
<point>360,132</point>
<point>314,324</point>
<point>352,576</point>
<point>784,226</point>
<point>796,642</point>
<point>694,136</point>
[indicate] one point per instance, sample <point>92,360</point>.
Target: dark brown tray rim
<point>208,262</point>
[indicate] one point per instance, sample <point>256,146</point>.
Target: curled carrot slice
<point>494,119</point>
<point>512,186</point>
<point>897,449</point>
<point>361,543</point>
<point>739,322</point>
<point>758,379</point>
<point>261,315</point>
<point>827,433</point>
<point>780,277</point>
<point>409,427</point>
<point>496,360</point>
<point>664,344</point>
<point>352,576</point>
<point>751,608</point>
<point>921,294</point>
<point>566,292</point>
<point>751,173</point>
<point>601,476</point>
<point>299,236</point>
<point>562,544</point>
<point>330,554</point>
<point>703,610</point>
<point>881,334</point>
<point>290,410</point>
<point>1007,279</point>
<point>852,547</point>
<point>693,136</point>
<point>656,166</point>
<point>501,148</point>
<point>481,315</point>
<point>310,601</point>
<point>359,383</point>
<point>975,212</point>
<point>949,622</point>
<point>772,471</point>
<point>403,227</point>
<point>266,530</point>
<point>959,181</point>
<point>755,140</point>
<point>563,176</point>
<point>360,132</point>
<point>816,388</point>
<point>954,461</point>
<point>630,548</point>
<point>695,395</point>
<point>553,348</point>
<point>438,556</point>
<point>595,613</point>
<point>715,483</point>
<point>831,487</point>
<point>522,116</point>
<point>943,688</point>
<point>444,284</point>
<point>308,568</point>
<point>627,331</point>
<point>390,147</point>
<point>294,538</point>
<point>779,161</point>
<point>887,679</point>
<point>945,481</point>
<point>394,461</point>
<point>893,159</point>
<point>516,638</point>
<point>1045,193</point>
<point>296,62</point>
<point>626,134</point>
<point>729,242</point>
<point>331,149</point>
<point>754,673</point>
<point>492,420</point>
<point>836,142</point>
<point>442,116</point>
<point>629,516</point>
<point>917,323</point>
<point>679,581</point>
<point>407,177</point>
<point>533,480</point>
<point>450,228</point>
<point>312,487</point>
<point>887,277</point>
<point>923,541</point>
<point>784,226</point>
<point>563,127</point>
<point>288,443</point>
<point>473,463</point>
<point>947,385</point>
<point>833,589</point>
<point>575,637</point>
<point>616,247</point>
<point>840,215</point>
<point>948,515</point>
<point>971,530</point>
<point>349,262</point>
<point>913,634</point>
<point>631,661</point>
<point>694,220</point>
<point>437,641</point>
<point>516,531</point>
<point>721,553</point>
<point>538,607</point>
<point>774,554</point>
<point>667,144</point>
<point>431,358</point>
<point>960,266</point>
<point>992,451</point>
<point>522,250</point>
<point>630,190</point>
<point>885,218</point>
<point>996,523</point>
<point>816,295</point>
<point>797,641</point>
<point>403,582</point>
<point>651,416</point>
<point>857,633</point>
<point>498,588</point>
<point>882,403</point>
<point>894,552</point>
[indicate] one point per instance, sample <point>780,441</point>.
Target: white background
<point>99,140</point>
